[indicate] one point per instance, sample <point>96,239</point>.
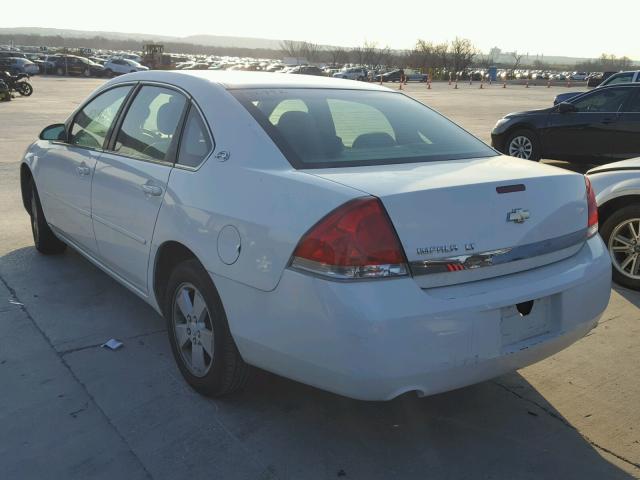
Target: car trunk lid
<point>454,218</point>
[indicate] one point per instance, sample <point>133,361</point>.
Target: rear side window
<point>603,101</point>
<point>149,127</point>
<point>328,128</point>
<point>625,77</point>
<point>196,142</point>
<point>91,125</point>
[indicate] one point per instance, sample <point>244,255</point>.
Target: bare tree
<point>338,55</point>
<point>290,48</point>
<point>306,50</point>
<point>517,59</point>
<point>441,52</point>
<point>462,53</point>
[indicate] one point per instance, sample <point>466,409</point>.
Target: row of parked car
<point>63,64</point>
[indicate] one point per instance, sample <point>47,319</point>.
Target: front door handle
<point>608,121</point>
<point>83,170</point>
<point>152,190</point>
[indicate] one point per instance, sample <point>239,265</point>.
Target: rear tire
<point>214,371</point>
<point>523,144</point>
<point>43,237</point>
<point>25,89</point>
<point>618,224</point>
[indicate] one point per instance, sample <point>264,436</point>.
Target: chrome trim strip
<point>499,256</point>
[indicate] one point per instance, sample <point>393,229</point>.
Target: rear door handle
<point>152,190</point>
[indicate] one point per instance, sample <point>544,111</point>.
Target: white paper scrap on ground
<point>113,344</point>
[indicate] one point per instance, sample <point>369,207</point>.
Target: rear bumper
<point>374,340</point>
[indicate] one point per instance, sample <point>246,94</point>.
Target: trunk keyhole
<point>525,308</point>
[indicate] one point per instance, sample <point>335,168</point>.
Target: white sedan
<point>119,66</point>
<point>337,233</point>
<point>617,187</point>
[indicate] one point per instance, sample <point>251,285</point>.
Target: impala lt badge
<point>518,215</point>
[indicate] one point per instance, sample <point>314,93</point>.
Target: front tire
<point>621,234</point>
<point>523,144</point>
<point>43,237</point>
<point>199,333</point>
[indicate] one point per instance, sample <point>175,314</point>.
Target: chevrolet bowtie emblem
<point>518,215</point>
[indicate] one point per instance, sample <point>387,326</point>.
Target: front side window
<point>603,101</point>
<point>318,128</point>
<point>91,125</point>
<point>195,143</point>
<point>150,124</point>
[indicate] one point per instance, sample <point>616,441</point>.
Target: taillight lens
<point>592,224</point>
<point>356,240</point>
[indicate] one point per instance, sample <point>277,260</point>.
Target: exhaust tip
<point>525,308</point>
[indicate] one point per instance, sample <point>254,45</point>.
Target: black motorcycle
<point>17,83</point>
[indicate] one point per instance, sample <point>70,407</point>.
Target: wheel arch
<point>606,209</point>
<point>26,178</point>
<point>168,255</point>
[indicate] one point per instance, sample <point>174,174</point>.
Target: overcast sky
<point>550,27</point>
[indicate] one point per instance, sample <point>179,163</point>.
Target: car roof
<point>235,79</point>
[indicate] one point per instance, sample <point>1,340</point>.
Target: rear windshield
<point>326,128</point>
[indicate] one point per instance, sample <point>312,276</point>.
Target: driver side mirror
<point>565,107</point>
<point>55,132</point>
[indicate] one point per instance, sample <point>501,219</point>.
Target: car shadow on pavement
<point>275,427</point>
<point>630,295</point>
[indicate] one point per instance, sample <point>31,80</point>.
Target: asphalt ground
<point>70,409</point>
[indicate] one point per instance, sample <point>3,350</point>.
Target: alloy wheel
<point>624,248</point>
<point>193,329</point>
<point>521,147</point>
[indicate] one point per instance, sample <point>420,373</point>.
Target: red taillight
<point>356,240</point>
<point>592,223</point>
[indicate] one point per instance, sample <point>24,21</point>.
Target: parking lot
<point>70,409</point>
